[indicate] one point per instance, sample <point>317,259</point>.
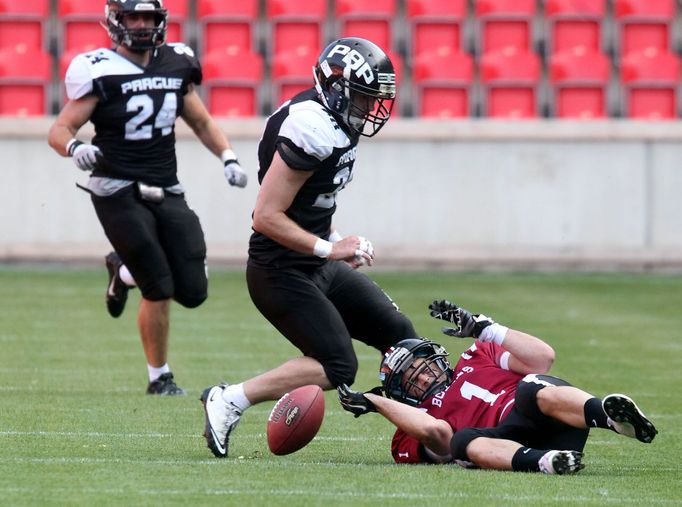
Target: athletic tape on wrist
<point>228,156</point>
<point>72,145</point>
<point>494,333</point>
<point>322,248</point>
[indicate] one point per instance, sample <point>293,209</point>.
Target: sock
<point>234,393</point>
<point>595,417</point>
<point>526,460</point>
<point>126,277</point>
<point>155,372</point>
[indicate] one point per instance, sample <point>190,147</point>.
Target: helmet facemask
<point>136,39</point>
<point>414,370</point>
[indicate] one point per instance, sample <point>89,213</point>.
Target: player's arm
<point>527,353</point>
<point>209,133</point>
<point>202,123</point>
<point>434,434</point>
<point>70,119</point>
<point>278,190</point>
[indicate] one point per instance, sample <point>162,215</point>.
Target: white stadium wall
<point>469,194</point>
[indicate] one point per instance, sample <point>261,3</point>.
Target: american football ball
<point>295,419</point>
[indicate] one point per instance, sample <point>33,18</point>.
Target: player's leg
<point>559,400</point>
<point>491,448</point>
<point>182,240</point>
<point>299,310</point>
<point>370,315</point>
<point>131,228</point>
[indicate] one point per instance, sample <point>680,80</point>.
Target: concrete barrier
<point>429,194</point>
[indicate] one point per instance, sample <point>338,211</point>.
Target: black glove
<point>467,325</point>
<point>355,401</point>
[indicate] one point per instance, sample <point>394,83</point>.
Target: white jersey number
<point>469,391</point>
<point>341,179</point>
<point>144,105</point>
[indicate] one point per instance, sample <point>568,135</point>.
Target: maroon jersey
<point>480,396</point>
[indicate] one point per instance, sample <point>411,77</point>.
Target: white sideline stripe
<point>98,434</point>
<point>495,498</point>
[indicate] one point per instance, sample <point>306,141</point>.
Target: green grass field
<point>77,429</point>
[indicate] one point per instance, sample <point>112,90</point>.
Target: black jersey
<point>308,138</point>
<point>135,117</point>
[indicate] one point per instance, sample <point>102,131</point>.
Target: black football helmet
<point>356,81</point>
<point>399,377</point>
<point>136,39</point>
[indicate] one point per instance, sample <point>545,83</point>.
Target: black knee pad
<point>461,439</point>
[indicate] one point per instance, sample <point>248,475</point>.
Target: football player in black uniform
<point>301,273</point>
<point>133,95</point>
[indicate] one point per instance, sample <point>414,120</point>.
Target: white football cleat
<point>561,462</point>
<point>221,419</point>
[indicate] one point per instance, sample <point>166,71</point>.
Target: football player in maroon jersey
<point>497,408</point>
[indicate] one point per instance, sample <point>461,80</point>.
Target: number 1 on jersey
<point>469,391</point>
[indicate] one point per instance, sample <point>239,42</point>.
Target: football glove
<point>234,174</point>
<point>355,401</point>
<point>466,324</point>
<point>87,157</point>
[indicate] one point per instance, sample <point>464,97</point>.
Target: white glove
<point>365,249</point>
<point>234,174</point>
<point>85,156</point>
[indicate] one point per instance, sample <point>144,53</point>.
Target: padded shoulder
<point>310,128</point>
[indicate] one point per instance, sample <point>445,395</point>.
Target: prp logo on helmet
<point>354,62</point>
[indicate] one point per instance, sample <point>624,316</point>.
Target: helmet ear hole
<point>336,99</point>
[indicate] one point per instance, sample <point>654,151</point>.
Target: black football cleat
<point>117,290</point>
<point>627,419</point>
<point>165,386</point>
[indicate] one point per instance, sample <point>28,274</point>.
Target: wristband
<point>322,248</point>
<point>72,145</point>
<point>228,156</point>
<point>335,236</point>
<point>494,333</point>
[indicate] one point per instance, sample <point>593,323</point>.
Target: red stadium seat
<point>232,82</point>
<point>442,82</point>
<point>505,23</point>
<point>370,20</point>
<point>579,80</point>
<point>509,82</point>
<point>650,81</point>
<point>296,23</point>
<point>570,24</point>
<point>23,23</point>
<point>79,22</point>
<point>225,24</point>
<point>291,73</point>
<point>435,25</point>
<point>24,77</point>
<point>644,24</point>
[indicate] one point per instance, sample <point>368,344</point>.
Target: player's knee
<point>342,372</point>
<point>461,440</point>
<point>192,293</point>
<point>191,300</point>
